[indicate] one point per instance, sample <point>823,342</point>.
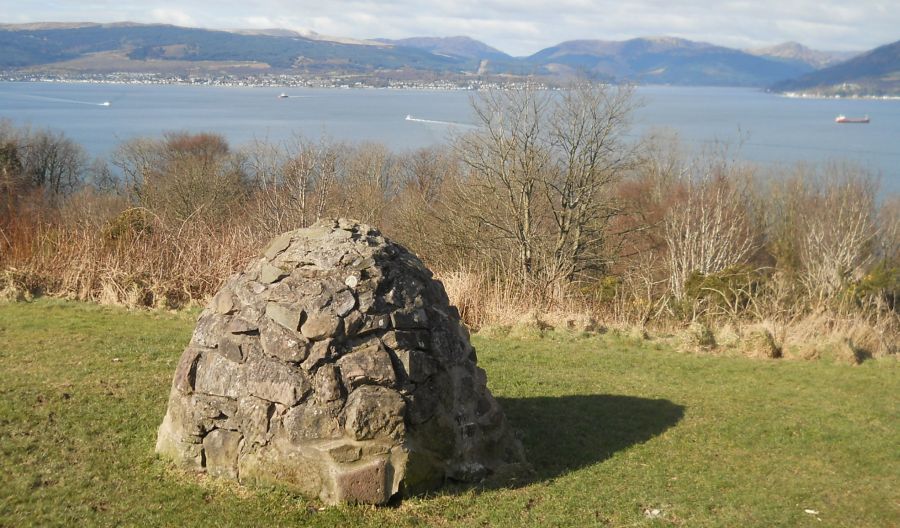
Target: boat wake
<point>69,101</point>
<point>436,122</point>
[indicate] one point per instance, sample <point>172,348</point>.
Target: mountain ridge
<point>665,60</point>
<point>128,46</point>
<point>457,46</point>
<point>798,52</point>
<point>873,73</point>
<point>48,48</point>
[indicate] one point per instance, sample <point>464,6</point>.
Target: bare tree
<point>11,179</point>
<point>101,178</point>
<point>183,175</point>
<point>889,221</point>
<point>590,153</point>
<point>293,181</point>
<point>369,182</point>
<point>541,169</point>
<point>708,227</point>
<point>425,170</point>
<point>839,232</point>
<point>53,163</point>
<point>136,158</point>
<point>507,158</point>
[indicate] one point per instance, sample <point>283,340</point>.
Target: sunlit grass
<point>621,433</point>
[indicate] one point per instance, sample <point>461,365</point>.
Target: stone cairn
<point>335,365</point>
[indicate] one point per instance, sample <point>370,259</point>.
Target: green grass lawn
<point>614,428</point>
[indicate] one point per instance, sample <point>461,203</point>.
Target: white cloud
<point>167,15</point>
<point>259,22</point>
<point>519,27</point>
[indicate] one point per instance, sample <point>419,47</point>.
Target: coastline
<point>273,81</point>
<point>807,95</point>
<point>287,81</point>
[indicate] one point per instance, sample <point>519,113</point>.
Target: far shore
<point>807,95</point>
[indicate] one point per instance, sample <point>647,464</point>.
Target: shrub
<point>127,225</point>
<point>729,291</point>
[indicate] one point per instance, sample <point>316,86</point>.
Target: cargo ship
<point>844,119</point>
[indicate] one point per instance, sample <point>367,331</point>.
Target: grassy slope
<point>612,427</point>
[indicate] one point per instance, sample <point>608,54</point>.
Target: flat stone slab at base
<point>335,365</point>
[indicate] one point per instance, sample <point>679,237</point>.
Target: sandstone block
<point>345,453</point>
<point>311,422</point>
<point>220,450</point>
<point>366,483</point>
<point>372,412</point>
<point>276,382</point>
<point>231,349</point>
<point>287,316</point>
<point>367,364</point>
<point>279,342</point>
<point>223,302</point>
<point>327,384</point>
<point>186,372</point>
<point>218,376</point>
<point>253,415</point>
<point>269,274</point>
<point>321,325</point>
<point>417,366</point>
<point>276,246</point>
<point>343,302</point>
<point>243,323</point>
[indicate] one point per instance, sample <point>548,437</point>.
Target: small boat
<point>844,119</point>
<point>105,103</point>
<point>409,117</point>
<point>283,95</point>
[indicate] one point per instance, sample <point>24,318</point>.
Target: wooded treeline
<point>548,207</point>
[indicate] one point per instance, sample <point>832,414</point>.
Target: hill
<point>477,56</point>
<point>307,34</point>
<point>49,46</point>
<point>459,47</point>
<point>665,60</point>
<point>796,52</point>
<point>91,48</point>
<point>876,72</point>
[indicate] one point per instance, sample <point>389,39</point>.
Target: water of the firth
<point>765,128</point>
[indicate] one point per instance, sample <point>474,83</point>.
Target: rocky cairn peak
<point>334,364</point>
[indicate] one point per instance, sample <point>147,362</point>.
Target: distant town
<point>347,82</point>
<point>277,80</point>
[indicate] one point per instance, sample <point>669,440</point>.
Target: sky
<point>518,27</point>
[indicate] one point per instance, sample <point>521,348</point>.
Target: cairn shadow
<point>565,433</point>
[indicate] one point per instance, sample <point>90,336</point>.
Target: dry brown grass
<point>161,266</point>
<point>484,302</point>
<point>848,336</point>
<point>149,263</point>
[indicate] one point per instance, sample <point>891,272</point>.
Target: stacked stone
<point>334,364</point>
